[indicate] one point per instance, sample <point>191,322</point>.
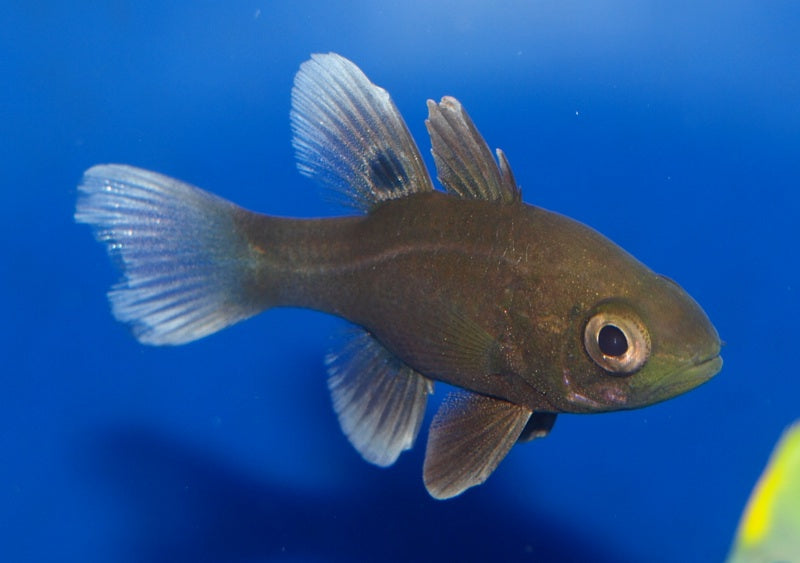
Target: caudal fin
<point>185,264</point>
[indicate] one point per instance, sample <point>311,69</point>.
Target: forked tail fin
<point>187,269</point>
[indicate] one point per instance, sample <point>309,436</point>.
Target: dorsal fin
<point>464,162</point>
<point>349,135</point>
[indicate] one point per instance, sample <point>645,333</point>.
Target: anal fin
<point>469,436</point>
<point>379,400</point>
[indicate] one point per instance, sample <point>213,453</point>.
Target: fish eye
<point>611,341</point>
<point>618,343</point>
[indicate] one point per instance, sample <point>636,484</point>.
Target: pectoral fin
<point>379,400</point>
<point>469,437</point>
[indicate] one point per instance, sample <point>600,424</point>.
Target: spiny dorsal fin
<point>349,135</point>
<point>379,400</point>
<point>469,436</point>
<point>464,162</point>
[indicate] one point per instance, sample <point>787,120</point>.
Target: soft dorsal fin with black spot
<point>349,135</point>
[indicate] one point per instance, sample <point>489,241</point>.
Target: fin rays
<point>183,262</point>
<point>349,135</point>
<point>469,437</point>
<point>379,400</point>
<point>464,162</point>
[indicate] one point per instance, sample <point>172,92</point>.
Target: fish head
<point>647,344</point>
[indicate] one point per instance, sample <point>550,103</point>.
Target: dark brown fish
<point>528,312</point>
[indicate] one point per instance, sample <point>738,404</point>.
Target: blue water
<point>672,127</point>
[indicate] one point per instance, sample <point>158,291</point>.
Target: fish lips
<point>693,375</point>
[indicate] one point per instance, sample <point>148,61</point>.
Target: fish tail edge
<point>186,266</point>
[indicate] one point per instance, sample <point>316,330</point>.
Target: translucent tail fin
<point>185,264</point>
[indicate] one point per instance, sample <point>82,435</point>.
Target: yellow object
<point>769,530</point>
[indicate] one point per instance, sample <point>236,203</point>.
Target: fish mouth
<point>695,374</point>
<point>709,366</point>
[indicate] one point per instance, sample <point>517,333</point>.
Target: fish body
<point>468,286</point>
<point>769,528</point>
<point>528,312</point>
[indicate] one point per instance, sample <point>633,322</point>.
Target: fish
<point>769,528</point>
<point>524,312</point>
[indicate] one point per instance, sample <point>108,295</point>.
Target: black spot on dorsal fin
<point>349,135</point>
<point>386,172</point>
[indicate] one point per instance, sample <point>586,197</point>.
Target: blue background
<point>671,127</point>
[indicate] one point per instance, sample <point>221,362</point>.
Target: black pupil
<point>612,341</point>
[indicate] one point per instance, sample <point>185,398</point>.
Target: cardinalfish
<point>525,312</point>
